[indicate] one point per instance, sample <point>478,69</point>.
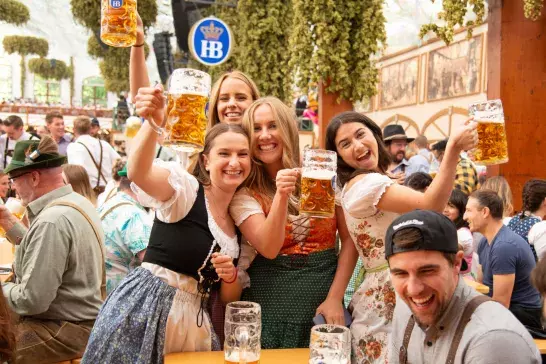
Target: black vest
<point>184,246</point>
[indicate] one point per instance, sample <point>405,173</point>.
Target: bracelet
<point>234,278</point>
<point>139,45</point>
<point>153,125</point>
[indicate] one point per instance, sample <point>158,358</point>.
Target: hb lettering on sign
<point>211,49</point>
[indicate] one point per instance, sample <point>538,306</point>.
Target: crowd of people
<point>124,261</point>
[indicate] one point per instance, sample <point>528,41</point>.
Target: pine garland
<point>49,68</point>
<point>335,42</point>
<point>454,11</point>
<point>14,12</point>
<point>263,31</point>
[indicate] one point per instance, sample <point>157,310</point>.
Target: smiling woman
<point>371,201</point>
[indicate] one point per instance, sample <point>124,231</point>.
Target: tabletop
<point>482,288</point>
<point>275,356</point>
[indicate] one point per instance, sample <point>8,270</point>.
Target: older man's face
<point>24,183</point>
<point>426,281</point>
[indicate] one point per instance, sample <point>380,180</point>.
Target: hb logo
<point>210,46</point>
<point>116,4</point>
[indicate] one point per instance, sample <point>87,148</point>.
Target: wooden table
<point>6,256</point>
<point>482,288</point>
<point>541,345</point>
<point>292,356</point>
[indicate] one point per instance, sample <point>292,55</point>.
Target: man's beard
<point>399,157</point>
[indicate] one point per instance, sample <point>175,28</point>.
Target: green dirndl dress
<point>290,287</point>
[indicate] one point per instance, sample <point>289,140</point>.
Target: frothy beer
<point>186,121</point>
<point>317,193</point>
<point>233,358</point>
<point>16,208</point>
<point>118,22</point>
<point>492,147</point>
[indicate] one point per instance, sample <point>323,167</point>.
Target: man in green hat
<point>59,261</point>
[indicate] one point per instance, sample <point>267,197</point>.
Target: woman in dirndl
<point>161,307</point>
<point>371,201</point>
<point>292,277</point>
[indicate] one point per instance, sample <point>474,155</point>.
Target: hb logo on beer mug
<point>318,183</point>
<point>118,22</point>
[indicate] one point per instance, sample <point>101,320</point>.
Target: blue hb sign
<point>116,4</point>
<point>210,41</point>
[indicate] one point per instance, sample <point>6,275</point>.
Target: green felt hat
<point>26,155</point>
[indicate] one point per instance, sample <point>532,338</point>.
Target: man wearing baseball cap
<point>438,318</point>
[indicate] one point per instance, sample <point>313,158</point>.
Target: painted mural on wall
<point>399,84</point>
<point>455,70</point>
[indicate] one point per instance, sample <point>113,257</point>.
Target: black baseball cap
<point>437,231</point>
<point>95,121</point>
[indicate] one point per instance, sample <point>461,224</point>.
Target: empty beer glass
<point>118,23</point>
<point>16,208</point>
<point>330,344</point>
<point>243,331</point>
<point>492,146</point>
<point>318,183</point>
<point>187,103</point>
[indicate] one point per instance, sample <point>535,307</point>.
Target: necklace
<point>216,208</point>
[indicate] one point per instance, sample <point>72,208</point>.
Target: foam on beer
<point>178,93</point>
<point>323,174</point>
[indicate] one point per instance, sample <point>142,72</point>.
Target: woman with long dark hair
<point>454,210</point>
<point>371,201</point>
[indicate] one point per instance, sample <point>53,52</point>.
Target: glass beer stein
<point>187,103</point>
<point>330,344</point>
<point>243,331</point>
<point>318,183</point>
<point>118,23</point>
<point>16,208</point>
<point>492,146</point>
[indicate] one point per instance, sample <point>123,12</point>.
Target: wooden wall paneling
<point>517,75</point>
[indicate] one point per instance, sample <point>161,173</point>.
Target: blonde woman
<point>77,177</point>
<point>500,185</point>
<point>292,277</point>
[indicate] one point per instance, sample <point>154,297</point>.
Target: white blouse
<point>185,188</point>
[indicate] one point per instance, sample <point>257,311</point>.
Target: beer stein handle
<point>242,336</point>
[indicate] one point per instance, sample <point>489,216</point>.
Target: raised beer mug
<point>16,208</point>
<point>492,146</point>
<point>330,344</point>
<point>118,22</point>
<point>243,331</point>
<point>318,183</point>
<point>187,103</point>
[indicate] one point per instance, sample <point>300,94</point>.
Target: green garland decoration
<point>263,31</point>
<point>113,62</point>
<point>49,68</point>
<point>25,45</point>
<point>229,15</point>
<point>335,43</point>
<point>14,12</point>
<point>533,9</point>
<point>454,11</point>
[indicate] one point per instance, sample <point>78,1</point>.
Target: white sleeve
<point>185,192</point>
<point>243,205</point>
<point>465,239</point>
<point>361,200</point>
<point>248,253</point>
